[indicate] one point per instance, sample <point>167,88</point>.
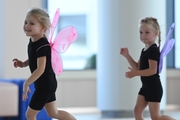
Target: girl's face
<point>33,28</point>
<point>147,34</point>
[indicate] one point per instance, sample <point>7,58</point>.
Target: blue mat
<point>42,115</point>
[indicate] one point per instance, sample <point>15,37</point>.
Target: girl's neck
<point>148,45</point>
<point>36,38</point>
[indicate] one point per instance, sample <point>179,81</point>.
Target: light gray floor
<point>93,114</point>
<point>175,114</point>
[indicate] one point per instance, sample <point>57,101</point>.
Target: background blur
<point>77,84</point>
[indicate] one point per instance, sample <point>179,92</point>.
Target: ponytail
<point>159,40</point>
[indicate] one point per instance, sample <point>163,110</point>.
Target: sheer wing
<point>168,45</point>
<point>61,43</point>
<point>57,63</point>
<point>54,23</point>
<point>168,48</point>
<point>64,39</point>
<point>168,37</point>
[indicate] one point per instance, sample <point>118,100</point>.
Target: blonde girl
<point>151,92</point>
<point>36,24</point>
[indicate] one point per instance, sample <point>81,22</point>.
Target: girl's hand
<point>18,63</point>
<point>26,90</point>
<point>124,52</point>
<point>131,73</point>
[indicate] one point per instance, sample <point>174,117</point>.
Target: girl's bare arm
<point>41,64</point>
<point>150,71</point>
<point>133,64</point>
<point>26,63</point>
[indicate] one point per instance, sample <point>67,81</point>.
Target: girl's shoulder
<point>154,49</point>
<point>42,42</point>
<point>151,49</point>
<point>154,46</point>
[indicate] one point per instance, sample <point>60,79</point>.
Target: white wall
<point>76,88</point>
<point>13,38</point>
<point>81,91</point>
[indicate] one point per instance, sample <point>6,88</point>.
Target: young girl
<point>150,93</point>
<point>36,24</point>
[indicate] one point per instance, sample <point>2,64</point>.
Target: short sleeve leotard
<point>46,84</point>
<point>151,85</point>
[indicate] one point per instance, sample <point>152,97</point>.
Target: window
<point>177,30</point>
<point>173,7</point>
<point>76,55</point>
<point>82,14</point>
<point>169,20</point>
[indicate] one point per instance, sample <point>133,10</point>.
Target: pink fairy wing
<point>56,61</point>
<point>60,44</point>
<point>54,23</point>
<point>64,39</point>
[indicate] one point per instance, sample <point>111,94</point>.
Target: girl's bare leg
<point>154,108</point>
<point>139,107</point>
<point>58,114</point>
<point>31,114</point>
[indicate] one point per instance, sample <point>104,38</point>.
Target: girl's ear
<point>156,33</point>
<point>46,33</point>
<point>44,29</point>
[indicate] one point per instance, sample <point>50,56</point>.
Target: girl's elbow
<point>41,71</point>
<point>153,72</point>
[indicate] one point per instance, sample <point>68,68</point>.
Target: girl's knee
<point>137,111</point>
<point>31,114</point>
<point>52,115</point>
<point>155,117</point>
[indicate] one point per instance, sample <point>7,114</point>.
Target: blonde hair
<point>42,17</point>
<point>153,22</point>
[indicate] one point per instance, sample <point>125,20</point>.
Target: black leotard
<point>151,85</point>
<point>46,84</point>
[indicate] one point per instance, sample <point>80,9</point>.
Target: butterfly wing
<point>168,45</point>
<point>61,43</point>
<point>168,48</point>
<point>57,64</point>
<point>54,23</point>
<point>160,64</point>
<point>64,39</point>
<point>168,37</point>
<point>56,60</point>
